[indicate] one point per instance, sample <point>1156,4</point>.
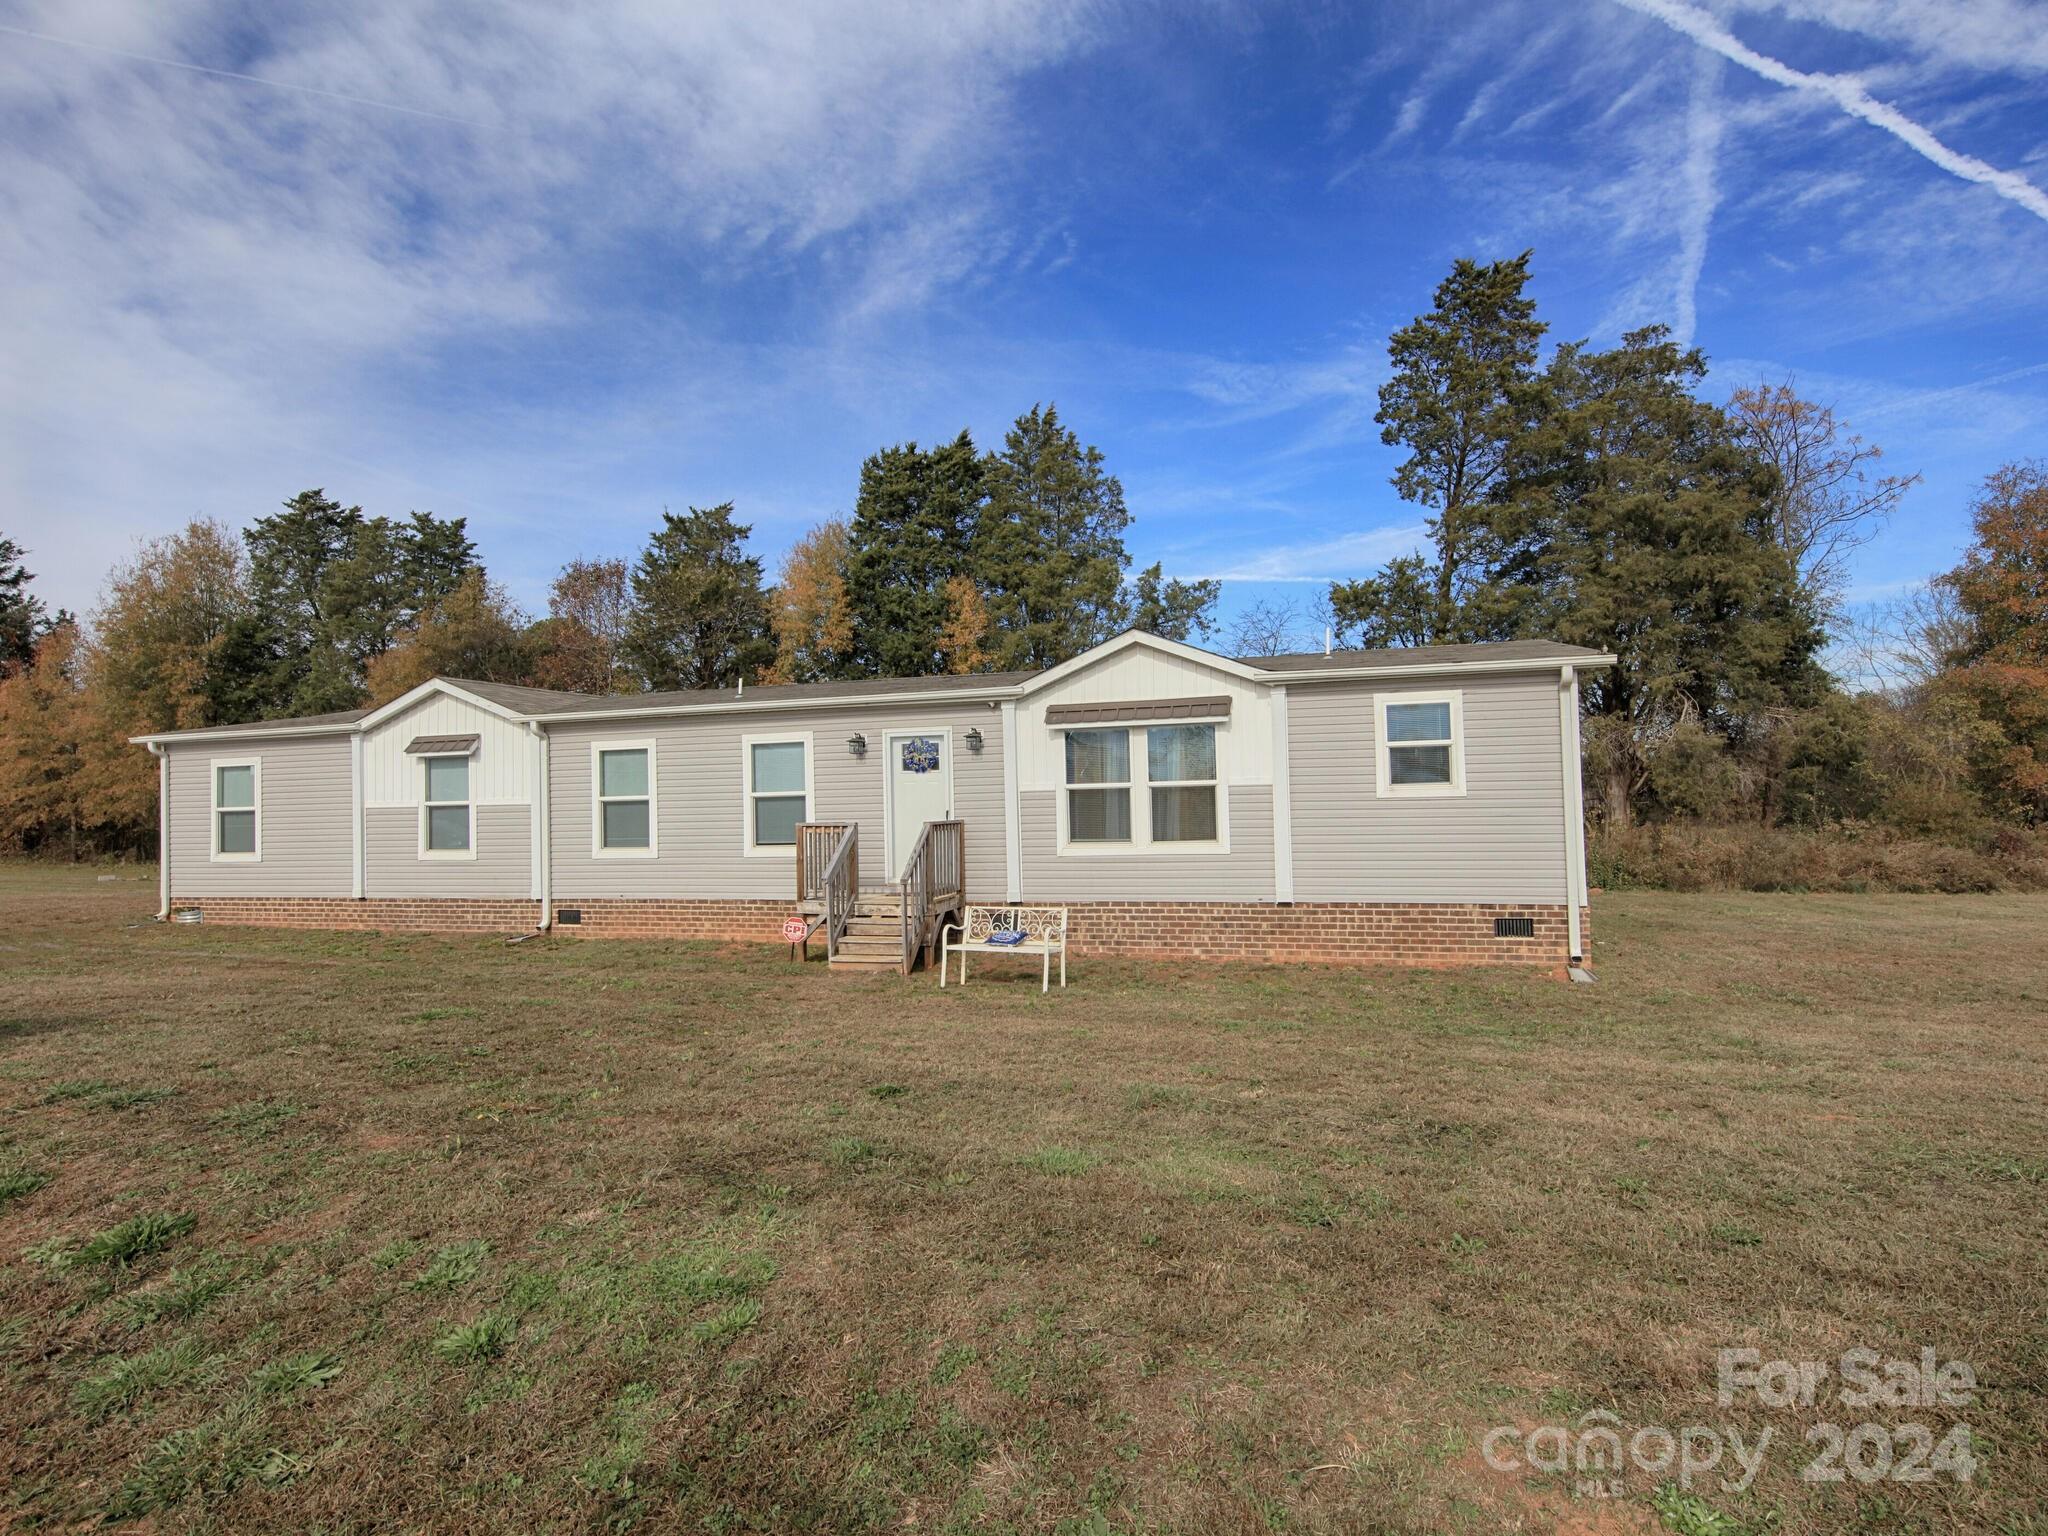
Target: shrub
<point>1850,857</point>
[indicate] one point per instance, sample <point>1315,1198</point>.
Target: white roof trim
<point>1129,638</point>
<point>250,732</point>
<point>433,685</point>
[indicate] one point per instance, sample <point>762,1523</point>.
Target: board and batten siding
<point>1502,840</point>
<point>699,799</point>
<point>500,771</point>
<point>503,867</point>
<point>1160,872</point>
<point>305,818</point>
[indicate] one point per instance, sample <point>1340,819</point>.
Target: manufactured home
<point>1414,806</point>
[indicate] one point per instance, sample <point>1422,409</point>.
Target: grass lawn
<point>306,1232</point>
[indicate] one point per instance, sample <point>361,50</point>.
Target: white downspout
<point>1574,809</point>
<point>1283,805</point>
<point>358,858</point>
<point>543,830</point>
<point>163,830</point>
<point>1013,845</point>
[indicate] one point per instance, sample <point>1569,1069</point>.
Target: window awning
<point>1212,707</point>
<point>444,746</point>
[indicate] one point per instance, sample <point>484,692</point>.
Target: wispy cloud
<point>1850,96</point>
<point>1321,561</point>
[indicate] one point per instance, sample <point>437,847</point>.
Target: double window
<point>237,810</point>
<point>622,812</point>
<point>447,826</point>
<point>1180,787</point>
<point>1421,740</point>
<point>777,774</point>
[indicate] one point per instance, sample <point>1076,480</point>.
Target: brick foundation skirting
<point>1338,933</point>
<point>383,914</point>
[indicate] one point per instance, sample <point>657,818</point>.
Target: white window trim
<point>213,768</point>
<point>1141,843</point>
<point>428,807</point>
<point>597,798</point>
<point>748,847</point>
<point>1383,761</point>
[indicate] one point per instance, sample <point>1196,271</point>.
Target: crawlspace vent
<point>1514,927</point>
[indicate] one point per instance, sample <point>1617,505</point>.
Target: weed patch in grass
<point>20,1183</point>
<point>258,1117</point>
<point>123,1382</point>
<point>472,1343</point>
<point>120,1246</point>
<point>295,1373</point>
<point>851,1151</point>
<point>452,1268</point>
<point>1063,1162</point>
<point>182,1295</point>
<point>727,1323</point>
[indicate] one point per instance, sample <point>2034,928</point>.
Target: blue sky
<point>553,267</point>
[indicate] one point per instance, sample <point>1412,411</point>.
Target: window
<point>445,808</point>
<point>1421,743</point>
<point>622,821</point>
<point>778,785</point>
<point>237,810</point>
<point>1098,786</point>
<point>1180,765</point>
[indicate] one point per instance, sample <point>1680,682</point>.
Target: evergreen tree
<point>700,617</point>
<point>1172,610</point>
<point>1048,548</point>
<point>332,589</point>
<point>21,611</point>
<point>913,525</point>
<point>1635,522</point>
<point>1458,399</point>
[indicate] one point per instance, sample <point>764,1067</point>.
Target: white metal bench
<point>1044,930</point>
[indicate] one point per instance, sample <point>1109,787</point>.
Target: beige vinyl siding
<point>502,835</point>
<point>699,805</point>
<point>1159,873</point>
<point>1502,840</point>
<point>304,818</point>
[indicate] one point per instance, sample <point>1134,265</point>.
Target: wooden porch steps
<point>874,934</point>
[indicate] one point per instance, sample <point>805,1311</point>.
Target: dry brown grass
<point>588,1236</point>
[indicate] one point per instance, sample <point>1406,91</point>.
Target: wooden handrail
<point>841,887</point>
<point>934,868</point>
<point>816,843</point>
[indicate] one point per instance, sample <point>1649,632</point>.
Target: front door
<point>920,772</point>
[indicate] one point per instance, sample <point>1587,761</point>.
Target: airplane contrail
<point>1849,96</point>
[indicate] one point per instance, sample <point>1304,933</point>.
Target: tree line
<point>1594,497</point>
<point>952,560</point>
<point>1587,495</point>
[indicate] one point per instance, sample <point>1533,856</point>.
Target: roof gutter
<point>163,829</point>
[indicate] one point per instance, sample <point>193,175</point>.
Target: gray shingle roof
<point>556,702</point>
<point>547,701</point>
<point>1422,656</point>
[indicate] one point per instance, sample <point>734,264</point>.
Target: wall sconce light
<point>974,739</point>
<point>857,744</point>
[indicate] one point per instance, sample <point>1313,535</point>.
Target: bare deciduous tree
<point>1267,628</point>
<point>1828,504</point>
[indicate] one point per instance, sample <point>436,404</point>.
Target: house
<point>1412,806</point>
